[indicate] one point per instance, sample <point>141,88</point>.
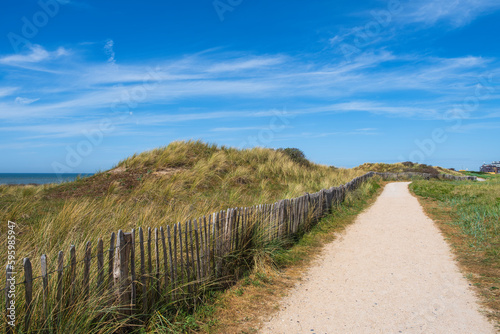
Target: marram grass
<point>182,181</point>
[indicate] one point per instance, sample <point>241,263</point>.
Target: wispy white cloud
<point>36,54</point>
<point>108,49</point>
<point>379,108</point>
<point>24,100</point>
<point>353,132</point>
<point>456,13</point>
<point>245,128</point>
<point>7,91</point>
<point>410,86</point>
<point>246,64</point>
<point>382,26</point>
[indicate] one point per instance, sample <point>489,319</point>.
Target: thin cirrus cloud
<point>7,91</point>
<point>24,100</point>
<point>108,49</point>
<point>455,13</point>
<point>87,89</point>
<point>420,14</point>
<point>36,54</point>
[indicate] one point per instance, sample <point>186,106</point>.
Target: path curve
<point>390,272</point>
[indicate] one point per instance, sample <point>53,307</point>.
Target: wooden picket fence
<point>170,265</point>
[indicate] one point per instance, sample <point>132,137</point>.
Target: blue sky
<point>85,84</point>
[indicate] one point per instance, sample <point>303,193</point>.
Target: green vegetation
<point>470,217</point>
<point>481,174</point>
<point>296,155</point>
<point>182,181</point>
<point>405,167</point>
<point>238,310</point>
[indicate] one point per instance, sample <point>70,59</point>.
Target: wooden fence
<point>133,271</point>
<point>426,176</point>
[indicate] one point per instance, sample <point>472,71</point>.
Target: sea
<point>38,178</point>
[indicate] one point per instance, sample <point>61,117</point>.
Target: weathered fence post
<point>133,293</point>
<point>28,292</point>
<point>120,270</point>
<point>86,270</point>
<point>150,269</point>
<point>165,258</point>
<point>157,266</point>
<point>143,272</point>
<point>100,264</point>
<point>111,256</point>
<point>45,291</point>
<point>60,283</point>
<point>72,274</point>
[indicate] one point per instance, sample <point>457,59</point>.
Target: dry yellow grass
<point>405,167</point>
<point>182,181</point>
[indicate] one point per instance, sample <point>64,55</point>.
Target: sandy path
<point>391,272</point>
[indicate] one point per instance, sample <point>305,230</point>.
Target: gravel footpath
<point>390,272</point>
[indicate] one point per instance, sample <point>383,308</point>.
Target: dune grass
<point>401,167</point>
<point>240,308</point>
<point>469,215</point>
<point>182,181</point>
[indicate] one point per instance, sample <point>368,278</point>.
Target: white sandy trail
<point>391,272</point>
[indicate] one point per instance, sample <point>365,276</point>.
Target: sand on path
<point>390,272</point>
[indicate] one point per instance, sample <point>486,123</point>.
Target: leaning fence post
<point>111,256</point>
<point>45,281</point>
<point>28,292</point>
<point>72,271</point>
<point>100,264</point>
<point>120,270</point>
<point>165,258</point>
<point>173,273</point>
<point>60,284</point>
<point>156,291</point>
<point>143,272</point>
<point>86,270</point>
<point>150,268</point>
<point>133,294</point>
<point>198,260</point>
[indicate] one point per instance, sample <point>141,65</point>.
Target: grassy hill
<point>405,167</point>
<point>184,180</point>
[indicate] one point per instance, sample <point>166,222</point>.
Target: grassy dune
<point>401,167</point>
<point>469,214</point>
<point>184,180</point>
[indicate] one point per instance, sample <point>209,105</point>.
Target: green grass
<point>182,181</point>
<point>469,215</point>
<point>235,311</point>
<point>402,167</point>
<point>475,207</point>
<point>481,174</point>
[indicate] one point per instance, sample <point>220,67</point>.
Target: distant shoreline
<point>22,184</point>
<point>37,179</point>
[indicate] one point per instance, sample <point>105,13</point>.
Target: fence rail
<point>170,265</point>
